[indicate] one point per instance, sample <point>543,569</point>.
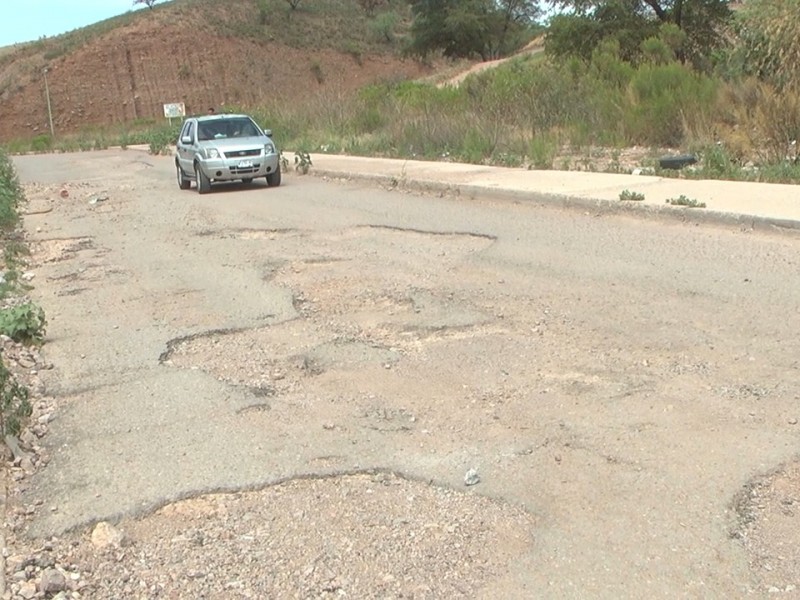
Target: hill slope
<point>198,52</point>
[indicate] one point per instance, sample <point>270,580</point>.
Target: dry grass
<point>759,122</point>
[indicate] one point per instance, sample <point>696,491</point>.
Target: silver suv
<point>225,148</point>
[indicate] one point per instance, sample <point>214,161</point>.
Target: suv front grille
<point>246,170</point>
<point>242,153</point>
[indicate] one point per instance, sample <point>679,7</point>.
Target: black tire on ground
<point>203,182</point>
<point>274,179</point>
<point>677,162</point>
<point>183,183</point>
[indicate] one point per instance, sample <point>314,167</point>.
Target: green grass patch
<point>685,201</point>
<point>629,196</point>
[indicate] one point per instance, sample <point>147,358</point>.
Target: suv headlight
<point>269,148</point>
<point>212,153</point>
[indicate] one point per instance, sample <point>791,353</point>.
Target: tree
<point>769,31</point>
<point>462,28</point>
<point>369,6</point>
<point>579,34</point>
<point>148,3</point>
<point>633,21</point>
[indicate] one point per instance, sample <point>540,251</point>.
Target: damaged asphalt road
<point>596,370</point>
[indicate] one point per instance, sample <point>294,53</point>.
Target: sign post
<point>174,110</point>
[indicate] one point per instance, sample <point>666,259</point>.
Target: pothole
<point>388,419</point>
<point>356,536</point>
<point>254,408</point>
<point>350,354</point>
<point>769,528</point>
<point>274,358</point>
<point>71,292</point>
<point>55,250</point>
<point>251,234</point>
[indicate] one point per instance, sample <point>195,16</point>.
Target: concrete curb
<point>642,210</point>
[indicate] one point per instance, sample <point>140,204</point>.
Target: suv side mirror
<point>187,139</point>
<point>268,133</point>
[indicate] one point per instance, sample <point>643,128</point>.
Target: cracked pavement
<point>594,368</point>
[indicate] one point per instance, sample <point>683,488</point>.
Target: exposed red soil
<point>129,73</point>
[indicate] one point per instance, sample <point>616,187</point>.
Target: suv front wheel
<point>183,182</point>
<point>274,179</point>
<point>203,182</point>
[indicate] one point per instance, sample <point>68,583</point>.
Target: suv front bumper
<point>230,169</point>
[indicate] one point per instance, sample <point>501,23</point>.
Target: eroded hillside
<point>127,70</point>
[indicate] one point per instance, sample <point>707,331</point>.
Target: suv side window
<point>190,130</point>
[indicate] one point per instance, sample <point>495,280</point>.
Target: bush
<point>384,26</point>
<point>717,163</point>
<point>42,143</point>
<point>23,323</point>
<point>667,100</point>
<point>683,200</point>
<point>11,195</point>
<point>161,138</point>
<point>542,151</point>
<point>629,196</point>
<point>14,403</point>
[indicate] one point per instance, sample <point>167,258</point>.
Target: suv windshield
<point>226,128</point>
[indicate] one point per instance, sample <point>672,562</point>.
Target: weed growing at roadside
<point>11,196</point>
<point>23,323</point>
<point>542,150</point>
<point>161,138</point>
<point>13,251</point>
<point>684,201</point>
<point>14,403</point>
<point>302,162</point>
<point>629,196</point>
<point>316,71</point>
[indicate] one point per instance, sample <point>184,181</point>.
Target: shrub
<point>384,26</point>
<point>629,196</point>
<point>316,71</point>
<point>42,143</point>
<point>23,323</point>
<point>302,162</point>
<point>718,164</point>
<point>14,403</point>
<point>666,100</point>
<point>685,201</point>
<point>353,49</point>
<point>542,151</point>
<point>263,11</point>
<point>161,138</point>
<point>11,195</point>
<point>476,147</point>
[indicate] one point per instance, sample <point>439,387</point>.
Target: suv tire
<point>183,182</point>
<point>203,182</point>
<point>274,179</point>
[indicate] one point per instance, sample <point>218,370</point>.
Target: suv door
<point>184,150</point>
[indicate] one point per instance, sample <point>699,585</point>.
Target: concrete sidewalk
<point>746,203</point>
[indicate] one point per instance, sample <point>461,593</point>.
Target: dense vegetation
<point>678,74</point>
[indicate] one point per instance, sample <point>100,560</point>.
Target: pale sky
<point>29,20</point>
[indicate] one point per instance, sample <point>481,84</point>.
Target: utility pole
<point>49,108</point>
